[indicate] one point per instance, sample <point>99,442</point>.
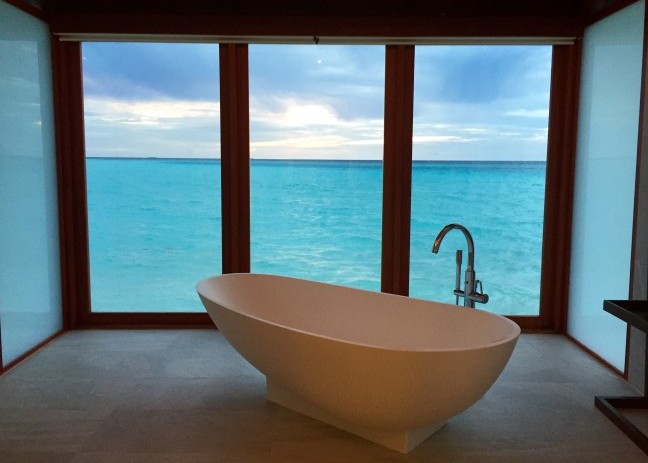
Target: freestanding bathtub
<point>391,369</point>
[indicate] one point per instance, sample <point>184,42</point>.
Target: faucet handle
<point>479,295</point>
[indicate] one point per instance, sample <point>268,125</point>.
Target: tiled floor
<point>186,396</point>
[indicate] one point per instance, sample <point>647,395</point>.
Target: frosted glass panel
<point>30,299</point>
<point>605,179</point>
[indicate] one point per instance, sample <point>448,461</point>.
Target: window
<point>480,150</point>
<point>316,130</point>
<point>153,174</point>
<point>316,118</point>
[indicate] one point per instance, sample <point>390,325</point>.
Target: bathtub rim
<point>512,337</point>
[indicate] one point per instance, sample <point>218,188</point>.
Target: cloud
<point>307,101</point>
<point>150,71</point>
<point>532,113</point>
<point>439,139</point>
<point>282,127</point>
<point>348,78</point>
<point>165,128</point>
<point>305,142</point>
<point>152,113</point>
<point>480,73</point>
<point>473,130</point>
<point>288,113</point>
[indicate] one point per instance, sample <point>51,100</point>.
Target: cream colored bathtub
<point>388,368</point>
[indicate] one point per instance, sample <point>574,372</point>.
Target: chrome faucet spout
<point>469,240</point>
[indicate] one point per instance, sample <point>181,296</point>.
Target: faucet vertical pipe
<point>459,260</point>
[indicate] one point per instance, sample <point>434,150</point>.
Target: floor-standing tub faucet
<point>469,293</point>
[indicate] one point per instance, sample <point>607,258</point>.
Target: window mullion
<point>397,165</point>
<point>235,157</point>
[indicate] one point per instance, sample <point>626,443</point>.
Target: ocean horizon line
<point>323,160</point>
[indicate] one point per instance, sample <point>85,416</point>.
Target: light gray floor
<point>186,396</point>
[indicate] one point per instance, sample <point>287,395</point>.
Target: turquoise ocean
<point>155,228</point>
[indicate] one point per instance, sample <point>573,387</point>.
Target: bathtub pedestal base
<point>402,442</point>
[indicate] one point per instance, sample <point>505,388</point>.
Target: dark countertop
<point>633,312</point>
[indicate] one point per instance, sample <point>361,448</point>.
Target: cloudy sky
<point>316,101</point>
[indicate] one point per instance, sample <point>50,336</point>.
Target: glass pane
<point>152,144</point>
<point>316,115</point>
<point>30,279</point>
<point>604,189</point>
<point>480,144</point>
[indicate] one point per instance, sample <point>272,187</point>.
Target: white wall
<point>605,180</point>
<point>30,289</point>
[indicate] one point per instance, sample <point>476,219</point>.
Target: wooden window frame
<point>68,102</point>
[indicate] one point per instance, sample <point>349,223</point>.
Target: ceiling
<point>390,19</point>
<point>584,9</point>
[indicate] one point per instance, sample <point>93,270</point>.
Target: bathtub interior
<point>358,316</point>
